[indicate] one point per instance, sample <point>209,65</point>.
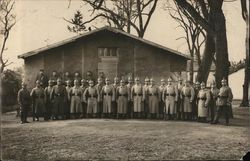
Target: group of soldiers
<point>73,99</point>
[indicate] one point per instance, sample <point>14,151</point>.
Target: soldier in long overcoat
<point>130,103</point>
<point>145,97</point>
<point>195,105</point>
<point>99,86</point>
<point>161,103</point>
<point>179,109</point>
<point>24,101</point>
<point>224,101</point>
<point>38,99</point>
<point>122,93</point>
<point>187,95</point>
<point>67,104</point>
<point>48,102</point>
<point>75,95</point>
<point>91,97</point>
<point>108,96</point>
<point>137,98</point>
<point>114,103</point>
<point>83,87</point>
<point>59,97</point>
<point>203,99</point>
<point>214,91</point>
<point>153,99</point>
<point>170,97</point>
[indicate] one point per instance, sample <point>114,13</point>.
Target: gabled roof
<point>114,30</point>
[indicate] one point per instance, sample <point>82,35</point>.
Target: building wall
<point>31,69</point>
<point>82,56</point>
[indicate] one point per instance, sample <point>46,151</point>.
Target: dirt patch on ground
<point>124,139</point>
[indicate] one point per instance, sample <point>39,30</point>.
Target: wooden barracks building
<point>107,51</point>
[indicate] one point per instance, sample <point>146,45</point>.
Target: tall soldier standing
<point>137,98</point>
<point>75,95</point>
<point>67,104</point>
<point>187,94</point>
<point>130,103</point>
<point>195,105</point>
<point>38,99</point>
<point>84,104</point>
<point>122,93</point>
<point>24,100</point>
<point>225,98</point>
<point>161,104</point>
<point>170,97</point>
<point>153,99</point>
<point>145,97</point>
<point>214,91</point>
<point>99,86</point>
<point>114,103</point>
<point>91,97</point>
<point>108,96</point>
<point>48,102</point>
<point>179,109</point>
<point>203,99</point>
<point>58,96</point>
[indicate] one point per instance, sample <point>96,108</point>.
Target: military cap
<point>179,79</point>
<point>197,83</point>
<point>223,80</point>
<point>202,84</point>
<point>130,78</point>
<point>38,81</point>
<point>76,81</point>
<point>152,80</point>
<point>137,78</point>
<point>186,81</point>
<point>169,79</point>
<point>162,80</point>
<point>116,78</point>
<point>83,80</point>
<point>146,79</point>
<point>91,81</point>
<point>107,79</point>
<point>122,81</point>
<point>59,80</point>
<point>99,79</point>
<point>24,84</point>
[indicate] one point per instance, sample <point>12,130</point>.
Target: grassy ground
<point>124,139</point>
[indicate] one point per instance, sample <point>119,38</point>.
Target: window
<point>107,52</point>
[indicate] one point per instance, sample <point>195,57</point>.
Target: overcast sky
<point>40,22</point>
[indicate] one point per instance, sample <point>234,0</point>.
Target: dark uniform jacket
<point>23,98</point>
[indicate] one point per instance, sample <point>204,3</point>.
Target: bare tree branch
<point>7,22</point>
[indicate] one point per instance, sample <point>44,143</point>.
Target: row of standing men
<point>121,100</point>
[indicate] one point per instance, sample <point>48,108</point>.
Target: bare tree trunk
<point>208,54</point>
<point>191,72</point>
<point>206,61</point>
<point>221,48</point>
<point>245,99</point>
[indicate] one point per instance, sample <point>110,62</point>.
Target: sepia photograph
<point>124,80</point>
